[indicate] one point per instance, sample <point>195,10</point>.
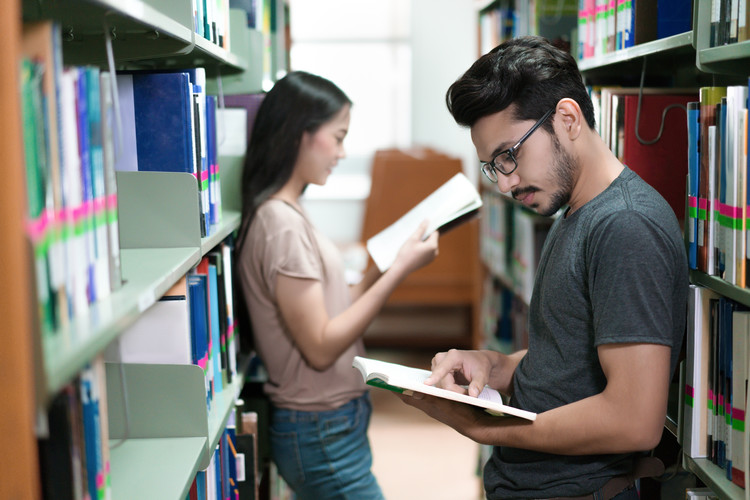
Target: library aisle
<point>415,457</point>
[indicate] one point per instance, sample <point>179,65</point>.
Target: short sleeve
<point>631,276</point>
<point>286,246</point>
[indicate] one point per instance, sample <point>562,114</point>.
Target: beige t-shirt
<point>282,240</point>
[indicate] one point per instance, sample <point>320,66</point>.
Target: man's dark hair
<point>528,73</point>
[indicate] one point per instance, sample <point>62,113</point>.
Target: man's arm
<point>628,415</point>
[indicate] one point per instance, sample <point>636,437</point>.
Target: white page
<point>456,197</point>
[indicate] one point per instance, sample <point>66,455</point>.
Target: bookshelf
<point>170,433</point>
<point>683,60</point>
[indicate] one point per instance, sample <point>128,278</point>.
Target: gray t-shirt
<point>281,240</point>
<point>613,271</point>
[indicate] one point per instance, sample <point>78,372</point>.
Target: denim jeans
<point>325,454</point>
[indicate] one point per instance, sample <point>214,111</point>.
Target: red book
<point>664,164</point>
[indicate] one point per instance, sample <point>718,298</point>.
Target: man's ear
<point>569,117</point>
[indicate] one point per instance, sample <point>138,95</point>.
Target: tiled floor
<point>415,457</point>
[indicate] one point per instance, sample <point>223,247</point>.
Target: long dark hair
<point>298,103</point>
<point>528,73</point>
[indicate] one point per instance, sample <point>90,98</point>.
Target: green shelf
<point>714,477</point>
<point>156,468</point>
<point>148,274</point>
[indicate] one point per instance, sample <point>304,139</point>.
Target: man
<point>608,310</point>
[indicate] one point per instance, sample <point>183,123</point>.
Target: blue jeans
<point>325,454</point>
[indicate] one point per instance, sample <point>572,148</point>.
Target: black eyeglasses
<point>505,161</point>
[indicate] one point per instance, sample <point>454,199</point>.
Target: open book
<point>402,379</point>
<point>454,202</point>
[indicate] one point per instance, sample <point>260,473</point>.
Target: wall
<point>444,45</point>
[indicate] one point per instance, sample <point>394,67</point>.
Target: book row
<point>211,21</point>
<point>75,449</point>
<point>504,317</point>
<point>72,219</point>
<point>505,19</point>
<point>716,378</point>
<point>717,182</point>
<point>730,22</point>
<point>81,125</point>
<point>605,26</point>
<point>511,239</point>
<point>193,323</point>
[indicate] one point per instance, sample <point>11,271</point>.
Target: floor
<point>415,457</point>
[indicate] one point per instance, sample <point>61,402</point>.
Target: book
<point>693,125</point>
<point>162,334</point>
<point>404,379</point>
<point>697,364</point>
<point>451,204</point>
<point>709,98</point>
<point>662,164</point>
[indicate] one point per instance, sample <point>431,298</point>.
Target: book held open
<point>454,202</point>
<point>401,379</point>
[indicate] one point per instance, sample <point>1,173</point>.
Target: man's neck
<point>599,167</point>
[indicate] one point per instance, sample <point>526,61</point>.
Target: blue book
<point>166,140</point>
<point>163,106</point>
<point>200,479</point>
<point>213,161</point>
<point>725,225</point>
<point>693,128</point>
<point>200,328</point>
<point>213,297</point>
<point>91,433</point>
<point>87,183</point>
<point>673,17</point>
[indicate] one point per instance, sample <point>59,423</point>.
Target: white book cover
<point>401,379</point>
<point>161,335</point>
<point>454,199</point>
<point>698,352</point>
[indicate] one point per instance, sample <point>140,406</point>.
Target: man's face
<point>546,172</point>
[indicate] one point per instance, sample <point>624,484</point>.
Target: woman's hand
<point>415,252</point>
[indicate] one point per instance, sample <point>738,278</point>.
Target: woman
<point>307,322</point>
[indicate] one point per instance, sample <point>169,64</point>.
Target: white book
<point>695,427</point>
<point>453,202</point>
<point>161,335</point>
<point>401,379</point>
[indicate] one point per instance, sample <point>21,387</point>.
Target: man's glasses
<point>505,161</point>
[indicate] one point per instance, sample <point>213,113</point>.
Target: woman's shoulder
<point>275,215</point>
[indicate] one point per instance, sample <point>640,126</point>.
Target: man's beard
<point>563,173</point>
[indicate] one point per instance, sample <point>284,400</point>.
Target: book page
<point>412,379</point>
<point>456,197</point>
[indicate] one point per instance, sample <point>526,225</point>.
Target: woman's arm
<point>322,339</point>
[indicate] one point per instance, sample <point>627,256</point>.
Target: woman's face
<point>320,151</point>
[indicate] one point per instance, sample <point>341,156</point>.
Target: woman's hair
<point>528,73</point>
<point>298,103</point>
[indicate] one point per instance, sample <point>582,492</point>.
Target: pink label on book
<point>112,201</point>
<point>730,211</point>
<point>100,205</point>
<point>689,391</point>
<point>738,414</point>
<point>37,228</point>
<point>703,203</point>
<point>203,362</point>
<point>692,201</point>
<point>204,175</point>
